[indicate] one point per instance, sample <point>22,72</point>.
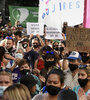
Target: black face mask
<point>73,67</point>
<point>55,47</point>
<point>35,46</point>
<point>25,71</point>
<point>24,45</point>
<point>83,82</point>
<point>61,49</point>
<point>49,63</point>
<point>10,49</point>
<point>85,58</point>
<point>52,90</point>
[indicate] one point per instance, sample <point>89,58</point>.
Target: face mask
<point>61,49</point>
<point>2,88</point>
<point>24,45</point>
<point>18,55</point>
<point>85,58</point>
<point>9,50</point>
<point>82,82</point>
<point>35,46</point>
<point>25,71</point>
<point>55,47</point>
<point>73,67</point>
<point>49,63</point>
<point>52,90</point>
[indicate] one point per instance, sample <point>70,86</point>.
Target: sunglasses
<point>51,52</point>
<point>8,37</point>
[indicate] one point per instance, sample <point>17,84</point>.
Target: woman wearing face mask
<point>83,90</point>
<point>54,83</point>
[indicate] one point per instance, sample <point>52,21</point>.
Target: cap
<point>24,40</point>
<point>74,55</point>
<point>28,80</point>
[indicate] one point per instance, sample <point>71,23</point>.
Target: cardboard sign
<point>35,28</point>
<point>53,33</point>
<point>78,39</point>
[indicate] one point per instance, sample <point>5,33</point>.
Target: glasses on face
<point>51,52</point>
<point>8,37</point>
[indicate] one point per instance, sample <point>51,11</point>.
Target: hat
<point>24,40</point>
<point>74,55</point>
<point>28,80</point>
<point>67,95</point>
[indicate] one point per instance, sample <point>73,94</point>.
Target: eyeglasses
<point>51,52</point>
<point>8,37</point>
<point>6,70</point>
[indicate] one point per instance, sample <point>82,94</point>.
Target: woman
<point>54,83</point>
<point>83,90</point>
<point>17,92</point>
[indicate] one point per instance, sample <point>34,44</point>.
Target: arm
<point>42,42</point>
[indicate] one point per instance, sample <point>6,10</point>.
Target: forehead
<point>19,50</point>
<point>24,65</point>
<point>53,77</point>
<point>4,78</point>
<point>56,43</point>
<point>9,41</point>
<point>82,71</point>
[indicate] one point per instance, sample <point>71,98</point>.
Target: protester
<point>30,82</point>
<point>5,80</point>
<point>17,92</point>
<point>30,55</point>
<point>54,83</point>
<point>70,68</point>
<point>83,90</point>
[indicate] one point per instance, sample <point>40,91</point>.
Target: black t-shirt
<point>31,56</point>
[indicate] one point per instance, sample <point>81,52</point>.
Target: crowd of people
<point>35,68</point>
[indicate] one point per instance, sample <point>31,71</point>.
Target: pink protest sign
<point>86,22</point>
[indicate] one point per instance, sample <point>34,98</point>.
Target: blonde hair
<point>18,92</point>
<point>4,73</point>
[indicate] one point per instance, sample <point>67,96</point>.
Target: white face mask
<point>19,55</point>
<point>2,88</point>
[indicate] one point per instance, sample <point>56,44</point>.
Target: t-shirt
<point>31,56</point>
<point>76,89</point>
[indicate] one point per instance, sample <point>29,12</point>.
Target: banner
<point>35,28</point>
<point>53,33</point>
<point>23,14</point>
<point>54,12</point>
<point>87,14</point>
<point>78,39</point>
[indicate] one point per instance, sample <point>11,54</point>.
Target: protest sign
<point>35,28</point>
<point>78,39</point>
<point>87,14</point>
<point>23,14</point>
<point>54,12</point>
<point>53,33</point>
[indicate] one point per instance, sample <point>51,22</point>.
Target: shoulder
<point>38,97</point>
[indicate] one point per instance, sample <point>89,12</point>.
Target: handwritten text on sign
<point>78,39</point>
<point>53,33</point>
<point>35,28</point>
